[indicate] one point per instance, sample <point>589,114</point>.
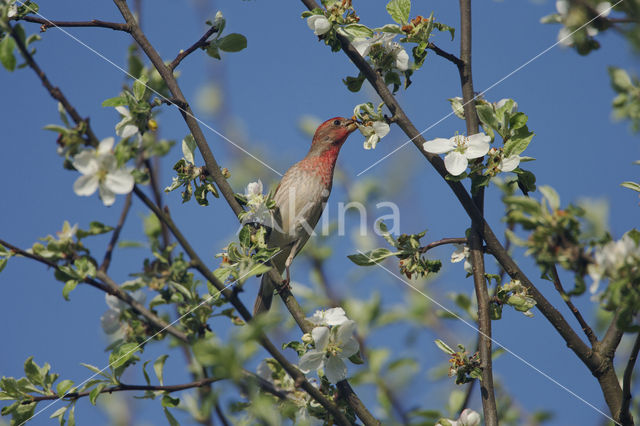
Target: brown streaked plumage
<point>300,199</point>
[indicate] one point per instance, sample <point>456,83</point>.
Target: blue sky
<point>282,75</point>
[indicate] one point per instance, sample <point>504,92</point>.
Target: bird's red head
<point>332,134</point>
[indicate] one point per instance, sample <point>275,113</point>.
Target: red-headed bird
<point>300,199</point>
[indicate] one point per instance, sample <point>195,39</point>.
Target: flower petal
<point>85,185</point>
<point>127,131</point>
<point>458,255</point>
<point>106,195</point>
<point>110,321</point>
<point>510,163</point>
<point>319,24</point>
<point>312,360</point>
<point>335,316</point>
<point>438,146</point>
<point>381,128</point>
<point>477,145</point>
<point>362,45</point>
<point>105,145</point>
<point>320,337</point>
<point>455,163</point>
<point>124,111</point>
<point>85,162</point>
<point>402,60</point>
<point>335,369</point>
<point>119,181</point>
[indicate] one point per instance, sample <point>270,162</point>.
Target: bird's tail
<point>265,295</point>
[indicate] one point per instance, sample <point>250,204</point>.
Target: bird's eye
<point>336,122</point>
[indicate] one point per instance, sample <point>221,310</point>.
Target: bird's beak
<point>351,126</point>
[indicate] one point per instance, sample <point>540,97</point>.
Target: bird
<point>299,201</point>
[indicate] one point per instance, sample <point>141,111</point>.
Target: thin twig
<point>116,233</point>
<point>94,23</point>
<point>157,195</point>
<point>110,287</point>
<point>292,370</point>
<point>593,360</point>
<point>448,56</point>
<point>441,243</point>
<point>55,92</point>
<point>122,387</point>
<point>625,414</point>
<point>200,44</point>
<point>576,313</point>
<point>476,254</point>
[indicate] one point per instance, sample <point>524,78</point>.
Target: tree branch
<point>94,23</point>
<point>448,56</point>
<point>476,254</point>
<point>116,233</point>
<point>122,387</point>
<point>576,313</point>
<point>200,44</point>
<point>187,114</point>
<point>109,287</point>
<point>292,370</point>
<point>592,359</point>
<point>53,91</point>
<point>442,242</point>
<point>625,413</point>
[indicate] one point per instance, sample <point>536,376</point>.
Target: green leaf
<point>631,185</point>
<point>158,366</point>
<point>399,10</point>
<point>213,51</point>
<point>518,120</point>
<point>519,141</point>
<point>96,370</point>
<point>245,236</point>
<point>69,286</point>
<point>95,393</point>
<point>551,195</point>
<point>189,148</point>
<point>372,257</point>
<point>114,102</point>
<point>3,263</point>
<point>620,80</point>
<point>356,30</point>
<point>205,352</point>
<point>487,115</point>
<point>168,401</point>
<point>123,354</point>
<point>95,228</point>
<point>172,420</point>
<point>63,387</point>
<point>7,45</point>
<point>354,84</point>
<point>390,28</point>
<point>59,413</point>
<point>526,204</point>
<point>33,372</point>
<point>232,43</point>
<point>140,87</point>
<point>444,347</point>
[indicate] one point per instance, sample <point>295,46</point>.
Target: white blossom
<point>332,347</point>
<point>253,192</point>
<point>462,253</point>
<point>565,37</point>
<point>68,232</point>
<point>99,169</point>
<point>509,164</point>
<point>110,320</point>
<point>319,24</point>
<point>459,150</point>
<point>126,127</point>
<point>333,316</point>
<point>401,58</point>
<point>503,101</point>
<point>13,10</point>
<point>611,257</point>
<point>468,417</point>
<point>376,131</point>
